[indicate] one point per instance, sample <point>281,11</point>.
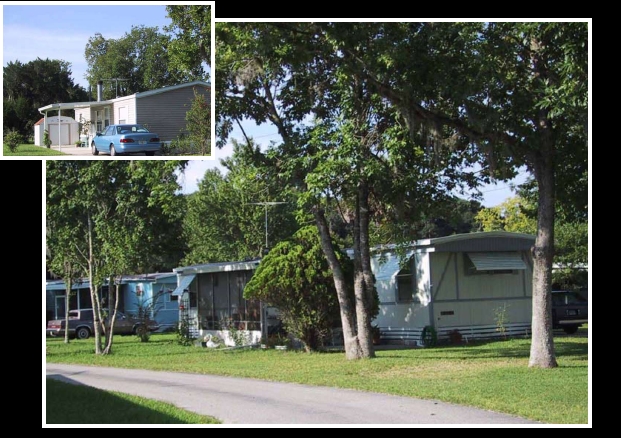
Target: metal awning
<point>60,285</point>
<point>184,283</point>
<point>391,267</point>
<point>496,261</point>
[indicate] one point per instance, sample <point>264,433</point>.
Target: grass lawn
<point>30,149</point>
<point>74,404</point>
<point>492,375</point>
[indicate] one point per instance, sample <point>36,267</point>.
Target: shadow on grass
<point>68,402</point>
<point>565,346</point>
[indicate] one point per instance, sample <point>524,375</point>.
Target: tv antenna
<point>266,204</point>
<point>116,80</point>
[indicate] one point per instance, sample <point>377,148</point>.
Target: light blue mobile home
<point>152,293</point>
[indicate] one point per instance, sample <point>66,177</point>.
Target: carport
<point>61,124</point>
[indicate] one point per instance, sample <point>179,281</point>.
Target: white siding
<point>443,276</point>
<point>480,313</point>
<point>129,106</point>
<point>410,315</point>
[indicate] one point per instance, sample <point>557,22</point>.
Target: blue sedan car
<point>125,139</point>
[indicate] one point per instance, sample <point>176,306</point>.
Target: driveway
<point>249,401</point>
<point>72,150</point>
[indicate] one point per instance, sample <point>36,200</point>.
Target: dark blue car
<point>126,139</point>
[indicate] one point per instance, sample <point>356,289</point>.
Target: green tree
<point>198,120</point>
<point>342,147</point>
<point>517,91</point>
<point>514,215</point>
<point>296,278</point>
<point>190,44</point>
<point>224,222</point>
<point>140,57</point>
<point>29,86</point>
<point>108,217</point>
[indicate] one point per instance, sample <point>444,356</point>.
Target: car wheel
<point>570,329</point>
<point>82,333</point>
<point>94,149</point>
<point>150,153</point>
<point>112,151</point>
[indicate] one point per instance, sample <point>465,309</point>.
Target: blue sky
<point>62,31</point>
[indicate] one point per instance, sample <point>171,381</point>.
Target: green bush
<point>12,139</point>
<point>184,336</point>
<point>47,141</point>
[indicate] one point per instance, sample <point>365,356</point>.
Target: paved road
<point>249,401</point>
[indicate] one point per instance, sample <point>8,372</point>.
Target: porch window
<point>99,118</point>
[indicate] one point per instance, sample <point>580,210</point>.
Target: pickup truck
<point>81,324</point>
<point>569,311</point>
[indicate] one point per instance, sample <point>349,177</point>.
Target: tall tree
<point>190,44</point>
<point>340,142</point>
<point>517,91</point>
<point>225,220</point>
<point>29,86</point>
<point>108,217</point>
<point>140,57</point>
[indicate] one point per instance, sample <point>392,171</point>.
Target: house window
<point>106,116</point>
<point>406,286</point>
<point>122,115</point>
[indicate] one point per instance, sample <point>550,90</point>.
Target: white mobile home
<point>162,110</point>
<point>465,282</point>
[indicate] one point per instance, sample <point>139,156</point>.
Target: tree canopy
<point>140,57</point>
<point>224,219</point>
<point>111,218</point>
<point>32,85</point>
<point>502,95</point>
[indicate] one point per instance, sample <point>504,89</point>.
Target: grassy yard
<point>74,404</point>
<point>30,150</point>
<point>493,375</point>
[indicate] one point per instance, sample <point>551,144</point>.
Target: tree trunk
<point>113,303</point>
<point>364,277</point>
<point>68,284</point>
<point>93,288</point>
<point>352,346</point>
<point>542,344</point>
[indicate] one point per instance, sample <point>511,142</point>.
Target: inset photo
<point>107,80</point>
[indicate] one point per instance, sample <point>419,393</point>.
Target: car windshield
<point>563,298</point>
<point>130,129</point>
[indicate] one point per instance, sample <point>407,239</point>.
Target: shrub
<point>184,336</point>
<point>47,141</point>
<point>295,278</point>
<point>12,139</point>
